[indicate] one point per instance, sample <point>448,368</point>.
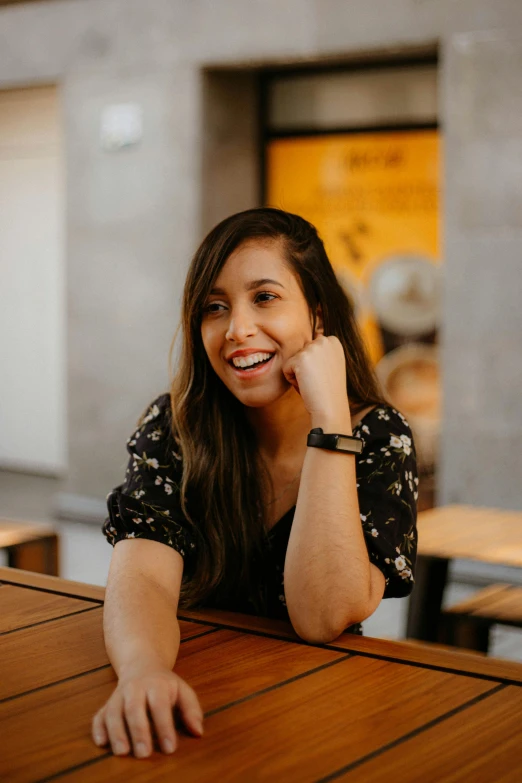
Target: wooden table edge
<point>396,651</point>
<point>52,584</point>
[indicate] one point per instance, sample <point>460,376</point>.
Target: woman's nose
<point>240,327</point>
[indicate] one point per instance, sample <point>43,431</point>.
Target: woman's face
<point>255,318</point>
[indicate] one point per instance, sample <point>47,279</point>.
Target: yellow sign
<point>374,198</point>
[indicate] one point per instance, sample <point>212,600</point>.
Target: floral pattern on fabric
<point>387,488</point>
<point>147,504</point>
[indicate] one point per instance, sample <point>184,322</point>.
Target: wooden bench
<point>30,546</point>
<point>468,623</point>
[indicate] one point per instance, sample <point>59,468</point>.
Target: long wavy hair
<point>225,484</point>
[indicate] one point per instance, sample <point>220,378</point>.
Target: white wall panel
<point>32,282</point>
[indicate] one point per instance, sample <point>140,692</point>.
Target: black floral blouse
<point>147,504</point>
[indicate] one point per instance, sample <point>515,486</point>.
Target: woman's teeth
<point>241,362</point>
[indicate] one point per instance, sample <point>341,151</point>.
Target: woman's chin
<point>262,398</point>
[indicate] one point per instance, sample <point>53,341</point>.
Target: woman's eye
<point>214,307</point>
<point>264,296</point>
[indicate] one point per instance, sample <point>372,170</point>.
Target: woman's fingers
<point>115,726</point>
<point>161,710</point>
<point>189,708</point>
<point>99,732</point>
<point>289,374</point>
<point>135,707</point>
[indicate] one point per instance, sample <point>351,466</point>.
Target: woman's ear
<point>319,327</point>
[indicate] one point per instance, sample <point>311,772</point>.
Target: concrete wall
<point>230,175</point>
<point>482,359</point>
<point>134,217</point>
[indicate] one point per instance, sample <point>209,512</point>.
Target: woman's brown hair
<point>224,484</point>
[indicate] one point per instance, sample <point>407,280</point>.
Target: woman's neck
<point>281,426</point>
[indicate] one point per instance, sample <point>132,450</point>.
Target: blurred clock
<point>405,294</point>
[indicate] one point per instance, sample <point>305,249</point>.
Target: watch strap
<point>334,441</point>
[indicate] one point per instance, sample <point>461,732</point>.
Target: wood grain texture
<point>304,730</point>
<point>490,535</point>
<point>481,745</point>
<point>411,652</point>
<point>49,730</point>
<point>500,603</point>
<point>277,709</point>
<point>47,653</point>
<point>448,660</point>
<point>21,607</point>
<point>245,622</point>
<point>61,648</point>
<point>53,584</point>
<point>227,666</point>
<point>58,719</point>
<point>188,630</point>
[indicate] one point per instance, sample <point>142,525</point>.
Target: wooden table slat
<point>261,625</point>
<point>188,630</point>
<point>305,730</point>
<point>57,720</point>
<point>223,667</point>
<point>21,607</point>
<point>54,584</point>
<point>47,653</point>
<point>276,708</point>
<point>415,653</point>
<point>244,665</point>
<point>61,648</point>
<point>483,744</point>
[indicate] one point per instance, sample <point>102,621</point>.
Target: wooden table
<point>276,709</point>
<point>450,532</point>
<point>32,546</point>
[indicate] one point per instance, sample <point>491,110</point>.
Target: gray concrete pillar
<point>481,454</point>
<point>133,225</point>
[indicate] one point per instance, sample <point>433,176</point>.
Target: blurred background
<point>129,128</point>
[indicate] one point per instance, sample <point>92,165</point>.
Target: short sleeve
<point>387,488</point>
<point>147,504</point>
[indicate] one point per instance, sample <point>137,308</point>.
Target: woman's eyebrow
<point>264,281</point>
<point>250,286</point>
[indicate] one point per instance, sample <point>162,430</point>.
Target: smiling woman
<point>223,477</point>
<point>251,326</point>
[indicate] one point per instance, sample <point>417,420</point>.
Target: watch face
<point>349,444</point>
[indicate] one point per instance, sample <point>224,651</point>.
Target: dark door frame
<point>269,75</point>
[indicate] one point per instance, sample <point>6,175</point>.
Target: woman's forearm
<point>329,580</point>
<point>140,624</point>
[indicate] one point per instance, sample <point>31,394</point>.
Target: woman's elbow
<point>317,635</point>
<point>327,629</point>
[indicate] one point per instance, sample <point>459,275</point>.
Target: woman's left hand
<point>318,373</point>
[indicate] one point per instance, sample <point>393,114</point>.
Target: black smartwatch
<point>334,441</point>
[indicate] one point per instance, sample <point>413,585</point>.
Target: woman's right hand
<point>142,692</point>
